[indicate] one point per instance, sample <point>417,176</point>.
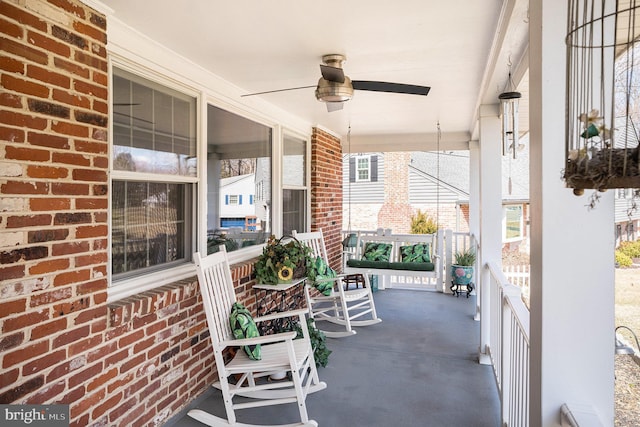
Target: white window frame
<point>145,281</point>
<point>621,193</point>
<point>357,168</point>
<point>307,176</point>
<point>505,208</point>
<point>135,54</point>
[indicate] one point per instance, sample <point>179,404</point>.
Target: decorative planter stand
<point>462,276</point>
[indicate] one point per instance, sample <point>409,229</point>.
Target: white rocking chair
<point>280,352</point>
<point>342,307</point>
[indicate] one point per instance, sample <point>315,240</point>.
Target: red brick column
<point>326,192</point>
<point>53,206</point>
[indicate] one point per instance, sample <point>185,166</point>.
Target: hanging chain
<point>349,177</point>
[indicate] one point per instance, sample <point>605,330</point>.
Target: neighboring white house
<point>627,207</point>
<point>627,215</point>
<point>237,201</point>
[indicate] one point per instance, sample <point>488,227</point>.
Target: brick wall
<point>326,192</point>
<point>132,363</point>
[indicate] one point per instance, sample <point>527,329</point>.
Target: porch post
<point>572,250</point>
<point>474,204</point>
<point>474,187</point>
<point>490,215</point>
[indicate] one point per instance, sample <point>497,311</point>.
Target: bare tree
<point>236,167</point>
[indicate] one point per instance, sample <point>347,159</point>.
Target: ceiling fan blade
<point>332,74</point>
<point>390,87</point>
<point>277,90</point>
<point>334,106</point>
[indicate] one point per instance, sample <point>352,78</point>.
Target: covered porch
<point>70,337</point>
<point>418,367</point>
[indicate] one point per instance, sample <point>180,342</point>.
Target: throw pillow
<point>377,251</point>
<point>419,252</point>
<point>243,326</point>
<point>321,276</point>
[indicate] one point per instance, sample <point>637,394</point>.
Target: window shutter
<point>250,199</point>
<point>240,199</point>
<point>226,199</point>
<point>374,168</point>
<point>352,169</point>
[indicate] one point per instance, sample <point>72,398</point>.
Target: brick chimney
<point>396,211</point>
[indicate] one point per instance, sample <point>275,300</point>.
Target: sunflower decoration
<point>282,260</point>
<point>285,274</point>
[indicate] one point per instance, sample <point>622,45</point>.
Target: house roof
<point>233,179</point>
<point>451,168</point>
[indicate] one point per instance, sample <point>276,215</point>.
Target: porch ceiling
<point>459,48</point>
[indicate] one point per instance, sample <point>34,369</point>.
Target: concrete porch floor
<point>419,367</point>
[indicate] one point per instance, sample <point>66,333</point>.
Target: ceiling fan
<point>334,88</point>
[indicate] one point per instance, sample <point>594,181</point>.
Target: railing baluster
<point>512,340</point>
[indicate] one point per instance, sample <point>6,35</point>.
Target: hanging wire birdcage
<point>603,96</point>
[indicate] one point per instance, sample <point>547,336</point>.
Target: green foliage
<point>321,276</point>
<point>214,241</point>
<point>318,343</point>
<point>630,249</point>
<point>421,223</point>
<point>280,259</point>
<point>623,260</point>
<point>465,258</point>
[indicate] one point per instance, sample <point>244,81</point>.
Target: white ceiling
<point>460,48</point>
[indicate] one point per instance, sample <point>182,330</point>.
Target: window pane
<point>294,215</point>
<point>514,222</point>
<point>154,127</point>
<point>149,226</point>
<point>293,167</point>
<point>238,180</point>
<point>363,168</point>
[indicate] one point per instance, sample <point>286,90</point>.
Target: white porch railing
<point>519,275</point>
<point>509,336</point>
<point>509,347</point>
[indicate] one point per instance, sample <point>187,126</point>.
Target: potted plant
<point>318,343</point>
<point>282,260</point>
<point>462,268</point>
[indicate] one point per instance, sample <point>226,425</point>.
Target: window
<point>513,223</point>
<point>153,176</point>
<point>238,169</point>
<point>362,172</point>
<point>363,168</point>
<point>294,177</point>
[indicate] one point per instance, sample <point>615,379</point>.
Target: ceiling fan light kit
<point>334,88</point>
<point>329,91</point>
